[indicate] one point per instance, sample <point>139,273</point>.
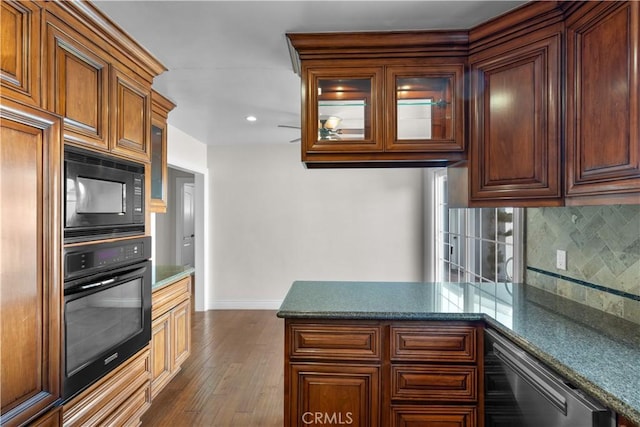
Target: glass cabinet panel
<point>345,110</point>
<point>423,108</point>
<point>157,153</point>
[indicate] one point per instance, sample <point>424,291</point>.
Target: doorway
<point>175,230</point>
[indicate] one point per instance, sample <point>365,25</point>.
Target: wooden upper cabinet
<point>30,273</point>
<point>99,80</point>
<point>424,108</point>
<point>382,99</point>
<point>515,154</point>
<point>78,83</point>
<point>603,103</point>
<point>160,108</point>
<point>20,50</point>
<point>343,111</point>
<point>130,116</point>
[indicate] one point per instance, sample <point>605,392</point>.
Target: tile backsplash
<point>603,255</point>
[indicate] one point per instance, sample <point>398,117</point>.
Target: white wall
<point>187,153</point>
<point>273,222</point>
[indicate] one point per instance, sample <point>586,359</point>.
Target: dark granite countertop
<point>596,351</point>
<point>165,274</point>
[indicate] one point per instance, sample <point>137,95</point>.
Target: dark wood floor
<point>234,376</point>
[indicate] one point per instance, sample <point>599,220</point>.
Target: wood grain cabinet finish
<point>52,418</point>
<point>336,342</point>
<point>119,398</point>
<point>433,416</point>
<point>30,283</point>
<point>399,373</point>
<point>170,332</point>
<point>434,343</point>
<point>20,47</point>
<point>160,108</point>
<point>434,383</point>
<point>99,80</point>
<point>436,371</point>
<point>131,116</point>
<point>78,83</point>
<point>333,394</point>
<point>515,154</point>
<point>375,71</point>
<point>603,102</point>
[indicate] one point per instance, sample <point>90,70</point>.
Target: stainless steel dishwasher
<point>520,391</point>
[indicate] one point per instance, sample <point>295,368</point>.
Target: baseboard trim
<point>246,305</point>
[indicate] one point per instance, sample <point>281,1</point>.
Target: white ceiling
<point>229,59</point>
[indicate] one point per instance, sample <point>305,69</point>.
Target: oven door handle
<point>114,277</point>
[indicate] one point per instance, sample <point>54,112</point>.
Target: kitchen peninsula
<point>385,353</point>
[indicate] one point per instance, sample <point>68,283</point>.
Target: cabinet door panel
<point>434,383</point>
<point>603,105</point>
<point>30,292</point>
<point>334,394</point>
<point>161,352</point>
<point>433,416</point>
<point>181,324</point>
<point>434,343</point>
<point>20,47</point>
<point>131,116</point>
<point>342,96</point>
<point>355,342</point>
<point>515,148</point>
<point>425,108</point>
<point>78,88</point>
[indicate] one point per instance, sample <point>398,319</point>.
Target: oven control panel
<point>85,259</point>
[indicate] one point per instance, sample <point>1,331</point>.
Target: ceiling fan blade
<point>295,140</point>
<point>350,131</point>
<point>289,126</point>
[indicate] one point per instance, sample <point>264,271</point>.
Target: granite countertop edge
<point>167,274</point>
<point>614,402</point>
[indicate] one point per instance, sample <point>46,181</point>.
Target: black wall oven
<point>104,196</point>
<point>107,308</point>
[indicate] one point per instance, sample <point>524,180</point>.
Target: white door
<point>186,221</point>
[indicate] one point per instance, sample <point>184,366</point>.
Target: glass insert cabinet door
<point>345,110</point>
<point>424,108</point>
<point>158,168</point>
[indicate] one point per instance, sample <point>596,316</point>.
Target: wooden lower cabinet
<point>30,265</point>
<point>334,394</point>
<point>433,416</point>
<point>53,418</point>
<point>120,398</point>
<point>170,332</point>
<point>384,373</point>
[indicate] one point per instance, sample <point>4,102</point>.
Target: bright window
<point>476,245</point>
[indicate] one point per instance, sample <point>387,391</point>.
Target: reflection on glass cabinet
<point>156,162</point>
<point>344,109</point>
<point>423,108</point>
<point>160,108</point>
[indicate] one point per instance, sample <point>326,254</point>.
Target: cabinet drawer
<point>335,342</point>
<point>111,394</point>
<point>435,383</point>
<point>434,343</point>
<point>169,296</point>
<point>449,416</point>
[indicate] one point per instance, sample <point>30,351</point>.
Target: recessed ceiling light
<point>251,118</point>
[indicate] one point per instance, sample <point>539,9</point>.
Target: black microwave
<point>103,196</point>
